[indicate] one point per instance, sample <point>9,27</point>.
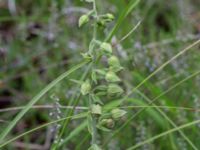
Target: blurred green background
<point>40,39</point>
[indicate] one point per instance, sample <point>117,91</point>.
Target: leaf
<point>89,123</point>
<point>96,99</point>
<point>103,128</point>
<point>131,5</point>
<point>94,76</point>
<point>76,81</point>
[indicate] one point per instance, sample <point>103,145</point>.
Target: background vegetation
<point>40,39</point>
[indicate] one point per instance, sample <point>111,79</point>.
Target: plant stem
<point>94,133</point>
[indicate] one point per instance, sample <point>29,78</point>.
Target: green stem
<point>94,133</point>
<point>94,130</point>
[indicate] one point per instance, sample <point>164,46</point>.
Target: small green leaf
<point>87,56</point>
<point>96,99</point>
<point>103,128</point>
<point>102,93</point>
<point>76,81</point>
<point>89,123</point>
<point>116,68</point>
<point>102,72</point>
<point>94,76</point>
<point>101,88</point>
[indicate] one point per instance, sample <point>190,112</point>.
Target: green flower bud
<point>110,16</point>
<point>83,20</point>
<point>117,113</point>
<point>85,87</point>
<point>112,77</point>
<point>114,89</point>
<point>96,109</point>
<point>113,61</point>
<point>106,47</point>
<point>101,23</point>
<point>108,123</point>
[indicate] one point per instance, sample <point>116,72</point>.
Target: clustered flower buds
<point>102,84</point>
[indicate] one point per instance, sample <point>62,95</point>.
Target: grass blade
<point>170,121</point>
<point>162,66</point>
<point>164,133</point>
<point>37,97</point>
<point>132,4</point>
<point>165,92</point>
<point>42,126</point>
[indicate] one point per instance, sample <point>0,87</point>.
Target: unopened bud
<point>96,109</point>
<point>83,20</point>
<point>101,23</point>
<point>108,123</point>
<point>85,87</point>
<point>106,47</point>
<point>112,77</point>
<point>113,61</point>
<point>117,113</point>
<point>114,89</point>
<point>110,16</point>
